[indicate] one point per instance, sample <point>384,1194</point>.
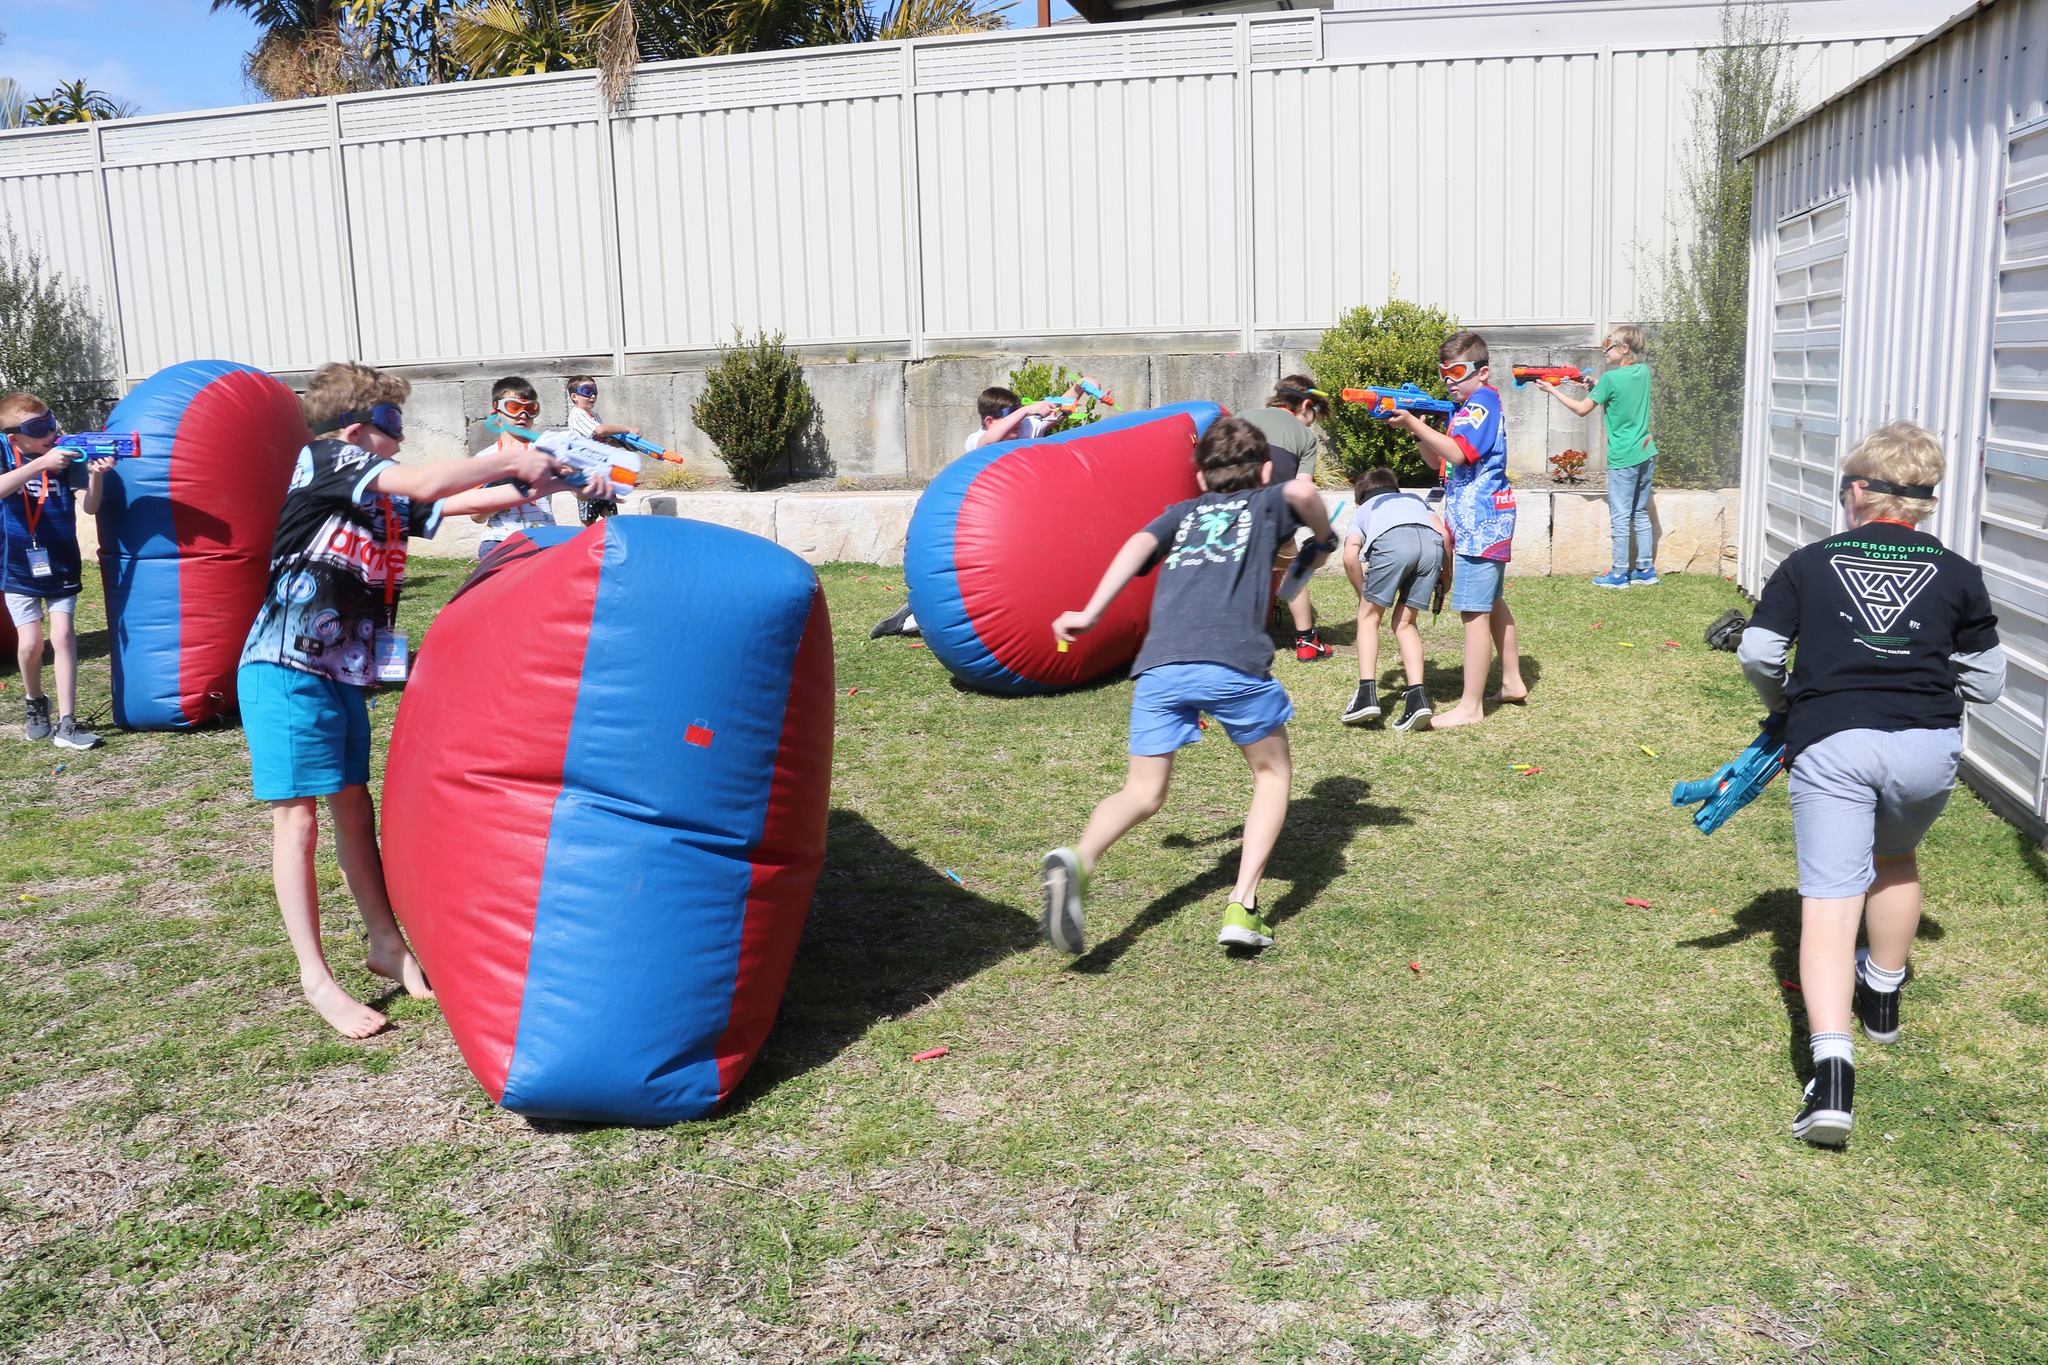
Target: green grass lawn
<point>1560,1136</point>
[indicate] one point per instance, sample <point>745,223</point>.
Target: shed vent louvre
<point>46,153</point>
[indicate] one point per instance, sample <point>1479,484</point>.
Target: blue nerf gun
<point>1306,561</point>
<point>1738,783</point>
<point>1408,398</point>
<point>102,445</point>
<point>1089,389</point>
<point>641,445</point>
<point>582,455</point>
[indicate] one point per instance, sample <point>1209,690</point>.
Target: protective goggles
<point>1458,371</point>
<point>585,390</point>
<point>388,418</point>
<point>519,409</point>
<point>35,428</point>
<point>1921,491</point>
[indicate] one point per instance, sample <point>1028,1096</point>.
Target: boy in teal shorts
<point>326,633</point>
<point>1624,391</point>
<point>1206,649</point>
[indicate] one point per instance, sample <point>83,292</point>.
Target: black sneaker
<point>1415,710</point>
<point>896,622</point>
<point>1830,1095</point>
<point>35,715</point>
<point>1877,1010</point>
<point>69,736</point>
<point>1365,704</point>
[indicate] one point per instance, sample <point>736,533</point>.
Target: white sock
<point>910,625</point>
<point>1838,1045</point>
<point>1876,977</point>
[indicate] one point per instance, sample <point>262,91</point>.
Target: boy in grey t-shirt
<point>1206,649</point>
<point>1394,556</point>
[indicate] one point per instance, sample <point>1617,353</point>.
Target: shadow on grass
<point>2030,854</point>
<point>1777,913</point>
<point>1310,855</point>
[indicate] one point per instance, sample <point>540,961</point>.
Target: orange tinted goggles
<point>519,409</point>
<point>1458,371</point>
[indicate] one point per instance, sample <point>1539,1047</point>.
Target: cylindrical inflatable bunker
<point>1008,537</point>
<point>185,535</point>
<point>608,908</point>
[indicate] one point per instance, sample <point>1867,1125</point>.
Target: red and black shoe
<point>1309,646</point>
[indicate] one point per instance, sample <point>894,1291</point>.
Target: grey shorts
<point>1864,793</point>
<point>1403,566</point>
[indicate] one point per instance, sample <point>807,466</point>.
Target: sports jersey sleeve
<point>422,521</point>
<point>1476,426</point>
<point>361,490</point>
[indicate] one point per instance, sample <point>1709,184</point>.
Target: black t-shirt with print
<point>1877,612</point>
<point>1216,580</point>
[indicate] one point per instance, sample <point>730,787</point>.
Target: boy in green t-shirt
<point>1624,391</point>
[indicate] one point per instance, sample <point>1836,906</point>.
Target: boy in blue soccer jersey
<point>1479,511</point>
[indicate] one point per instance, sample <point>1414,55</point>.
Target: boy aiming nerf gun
<point>582,455</point>
<point>1384,403</point>
<point>1738,783</point>
<point>1552,374</point>
<point>102,445</point>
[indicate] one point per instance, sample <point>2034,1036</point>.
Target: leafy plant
<point>1747,87</point>
<point>50,338</point>
<point>1569,466</point>
<point>73,102</point>
<point>1392,345</point>
<point>754,406</point>
<point>1038,380</point>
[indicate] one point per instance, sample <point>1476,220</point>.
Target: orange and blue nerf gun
<point>1551,374</point>
<point>583,456</point>
<point>641,445</point>
<point>1384,403</point>
<point>1735,785</point>
<point>1089,389</point>
<point>102,445</point>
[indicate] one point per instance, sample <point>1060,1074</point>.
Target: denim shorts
<point>1168,700</point>
<point>1864,793</point>
<point>308,735</point>
<point>1476,584</point>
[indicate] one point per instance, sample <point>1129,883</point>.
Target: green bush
<point>755,406</point>
<point>1388,347</point>
<point>50,339</point>
<point>1037,380</point>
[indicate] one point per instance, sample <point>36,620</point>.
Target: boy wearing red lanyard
<point>326,633</point>
<point>41,494</point>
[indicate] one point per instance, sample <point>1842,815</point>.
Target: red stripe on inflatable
<point>1059,512</point>
<point>230,463</point>
<point>790,855</point>
<point>472,781</point>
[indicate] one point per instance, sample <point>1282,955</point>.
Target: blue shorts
<point>1169,699</point>
<point>1475,586</point>
<point>308,735</point>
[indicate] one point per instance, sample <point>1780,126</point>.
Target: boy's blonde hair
<point>1629,335</point>
<point>1468,346</point>
<point>343,386</point>
<point>1903,453</point>
<point>16,408</point>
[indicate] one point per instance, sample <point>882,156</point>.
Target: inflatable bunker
<point>604,811</point>
<point>185,535</point>
<point>1009,536</point>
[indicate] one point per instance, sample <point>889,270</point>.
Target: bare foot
<point>405,971</point>
<point>1508,697</point>
<point>349,1016</point>
<point>1456,716</point>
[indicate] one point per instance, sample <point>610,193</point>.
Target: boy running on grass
<point>1895,633</point>
<point>1206,650</point>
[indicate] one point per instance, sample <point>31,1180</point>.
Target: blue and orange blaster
<point>102,445</point>
<point>1551,374</point>
<point>640,445</point>
<point>1089,389</point>
<point>1734,785</point>
<point>1384,403</point>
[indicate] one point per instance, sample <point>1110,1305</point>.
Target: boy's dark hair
<point>576,379</point>
<point>1374,482</point>
<point>1294,390</point>
<point>513,386</point>
<point>996,401</point>
<point>1464,346</point>
<point>1231,455</point>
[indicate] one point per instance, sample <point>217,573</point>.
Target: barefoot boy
<point>326,623</point>
<point>1479,510</point>
<point>1206,649</point>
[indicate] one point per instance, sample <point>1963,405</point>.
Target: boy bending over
<point>1393,554</point>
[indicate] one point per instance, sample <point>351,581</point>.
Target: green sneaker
<point>1066,928</point>
<point>1243,928</point>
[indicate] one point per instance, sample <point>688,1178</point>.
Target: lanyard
<point>390,577</point>
<point>32,512</point>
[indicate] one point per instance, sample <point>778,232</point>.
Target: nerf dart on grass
<point>583,455</point>
<point>642,446</point>
<point>1736,784</point>
<point>1551,374</point>
<point>1408,398</point>
<point>102,445</point>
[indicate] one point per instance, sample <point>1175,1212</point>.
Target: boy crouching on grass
<point>1895,633</point>
<point>326,625</point>
<point>1206,650</point>
<point>1393,554</point>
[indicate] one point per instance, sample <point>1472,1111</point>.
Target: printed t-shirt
<point>337,540</point>
<point>1479,504</point>
<point>1624,394</point>
<point>521,515</point>
<point>42,516</point>
<point>1383,512</point>
<point>1292,446</point>
<point>1877,612</point>
<point>1215,560</point>
<point>1026,430</point>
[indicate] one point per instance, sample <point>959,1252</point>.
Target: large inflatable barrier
<point>1008,537</point>
<point>607,904</point>
<point>185,535</point>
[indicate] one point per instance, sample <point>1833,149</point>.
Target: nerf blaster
<point>1384,403</point>
<point>582,455</point>
<point>102,445</point>
<point>1089,389</point>
<point>641,445</point>
<point>1738,783</point>
<point>1304,566</point>
<point>1553,374</point>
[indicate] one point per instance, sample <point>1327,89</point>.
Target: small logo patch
<point>697,735</point>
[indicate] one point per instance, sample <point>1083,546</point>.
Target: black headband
<point>1923,492</point>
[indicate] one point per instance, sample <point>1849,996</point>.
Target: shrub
<point>50,338</point>
<point>1391,346</point>
<point>755,406</point>
<point>1038,380</point>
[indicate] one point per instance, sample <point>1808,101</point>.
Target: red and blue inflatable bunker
<point>1009,536</point>
<point>185,535</point>
<point>608,910</point>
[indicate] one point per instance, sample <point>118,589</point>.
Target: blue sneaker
<point>1618,578</point>
<point>1642,578</point>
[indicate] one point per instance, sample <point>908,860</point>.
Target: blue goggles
<point>585,390</point>
<point>35,428</point>
<point>388,418</point>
